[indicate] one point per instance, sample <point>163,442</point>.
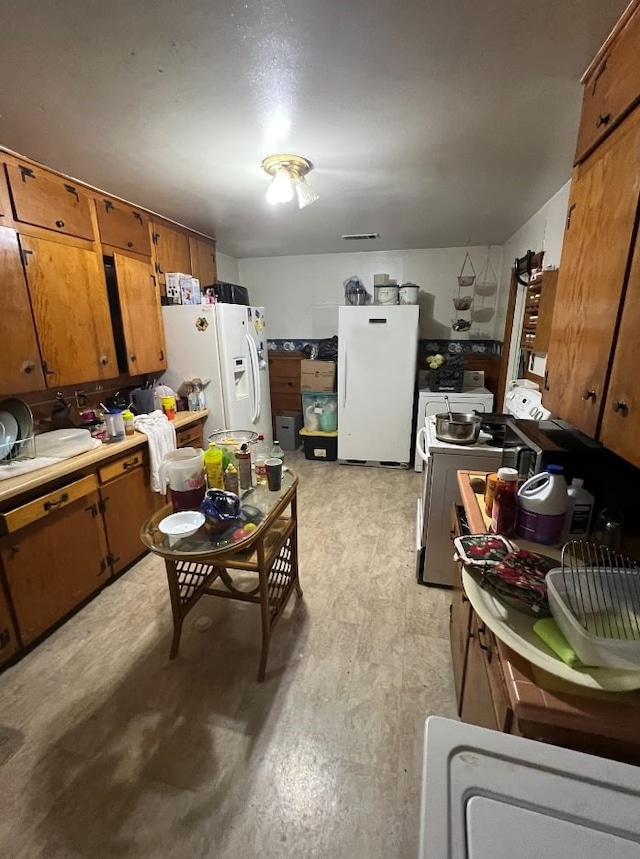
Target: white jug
<point>183,470</point>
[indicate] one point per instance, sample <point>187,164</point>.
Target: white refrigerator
<point>376,379</point>
<point>226,345</point>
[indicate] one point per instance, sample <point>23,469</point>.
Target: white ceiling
<point>433,122</point>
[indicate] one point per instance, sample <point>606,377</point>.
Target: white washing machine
<point>432,403</point>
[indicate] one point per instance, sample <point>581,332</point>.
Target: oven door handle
<point>420,445</point>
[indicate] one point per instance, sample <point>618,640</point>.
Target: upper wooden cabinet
<point>171,250</point>
<point>71,311</point>
<point>141,316</point>
<point>46,200</point>
<point>122,226</point>
<point>596,251</point>
<point>203,260</point>
<point>20,367</point>
<point>612,83</point>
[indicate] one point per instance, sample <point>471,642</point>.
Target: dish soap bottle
<point>213,467</point>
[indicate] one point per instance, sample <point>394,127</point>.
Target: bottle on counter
<point>213,467</point>
<point>577,522</point>
<point>127,417</point>
<point>542,507</point>
<point>490,491</point>
<point>231,480</point>
<point>261,458</point>
<point>505,503</point>
<point>243,458</point>
<point>276,451</point>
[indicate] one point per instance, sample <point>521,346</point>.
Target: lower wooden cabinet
<point>8,639</point>
<point>190,436</point>
<point>54,563</point>
<point>127,502</point>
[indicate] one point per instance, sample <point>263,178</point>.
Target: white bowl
<point>182,524</point>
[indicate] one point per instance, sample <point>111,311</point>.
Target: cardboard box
<point>173,285</point>
<point>317,375</point>
<point>190,290</point>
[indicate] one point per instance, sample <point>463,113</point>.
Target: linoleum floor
<point>126,754</point>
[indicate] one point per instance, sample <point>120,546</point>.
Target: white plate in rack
<point>8,433</point>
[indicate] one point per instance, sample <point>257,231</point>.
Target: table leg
<point>176,607</point>
<point>263,574</point>
<point>294,544</point>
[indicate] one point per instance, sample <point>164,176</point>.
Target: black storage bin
<point>322,447</point>
<point>231,293</point>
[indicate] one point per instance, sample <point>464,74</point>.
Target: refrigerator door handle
<point>344,381</point>
<point>255,378</point>
<point>420,445</point>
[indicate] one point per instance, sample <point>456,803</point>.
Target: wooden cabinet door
<point>141,315</point>
<point>595,254</point>
<point>21,366</point>
<point>621,417</point>
<point>477,704</point>
<point>122,226</point>
<point>54,564</point>
<point>127,503</point>
<point>171,250</point>
<point>50,201</point>
<point>459,638</point>
<point>8,638</point>
<point>71,311</point>
<point>203,261</point>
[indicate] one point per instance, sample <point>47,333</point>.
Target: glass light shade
<point>281,188</point>
<point>306,194</point>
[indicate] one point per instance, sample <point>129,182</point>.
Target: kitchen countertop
<point>539,698</point>
<point>34,480</point>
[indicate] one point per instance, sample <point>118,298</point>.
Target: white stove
<point>443,460</point>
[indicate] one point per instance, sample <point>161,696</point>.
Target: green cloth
<point>549,631</point>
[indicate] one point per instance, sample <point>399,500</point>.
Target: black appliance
<point>530,446</point>
<point>231,293</point>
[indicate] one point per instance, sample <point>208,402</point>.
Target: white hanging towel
<point>161,435</point>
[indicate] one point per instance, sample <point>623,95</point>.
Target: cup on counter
<point>115,425</point>
<point>168,406</point>
<point>274,473</point>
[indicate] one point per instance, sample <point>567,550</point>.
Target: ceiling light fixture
<point>289,172</point>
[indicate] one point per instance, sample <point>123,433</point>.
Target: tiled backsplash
<point>425,347</point>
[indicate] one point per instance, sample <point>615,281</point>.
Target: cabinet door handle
<point>104,360</point>
<point>482,644</point>
<point>620,406</point>
<point>603,119</point>
<point>130,463</point>
<point>129,245</point>
<point>48,505</point>
<point>59,224</point>
<point>589,395</point>
<point>28,367</point>
<point>133,358</point>
<point>161,356</point>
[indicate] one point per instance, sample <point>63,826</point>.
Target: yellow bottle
<point>213,467</point>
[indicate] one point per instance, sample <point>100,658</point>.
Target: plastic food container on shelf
<point>598,611</point>
<point>320,411</point>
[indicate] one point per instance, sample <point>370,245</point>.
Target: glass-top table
<point>196,562</point>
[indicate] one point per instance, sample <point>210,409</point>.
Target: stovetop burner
<point>494,423</point>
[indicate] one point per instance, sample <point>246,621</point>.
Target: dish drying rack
<point>21,450</point>
<point>595,599</point>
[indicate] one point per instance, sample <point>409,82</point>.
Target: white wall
<point>227,268</point>
<point>301,294</point>
<point>544,231</point>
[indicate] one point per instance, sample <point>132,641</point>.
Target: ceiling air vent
<point>361,237</point>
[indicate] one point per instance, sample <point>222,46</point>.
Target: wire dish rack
<point>22,449</point>
<point>595,600</point>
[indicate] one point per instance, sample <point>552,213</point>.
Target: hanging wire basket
<point>487,282</point>
<point>466,279</point>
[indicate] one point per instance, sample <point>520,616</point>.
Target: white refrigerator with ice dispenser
<point>376,378</point>
<point>226,345</point>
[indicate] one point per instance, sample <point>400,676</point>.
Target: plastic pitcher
<point>183,470</point>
